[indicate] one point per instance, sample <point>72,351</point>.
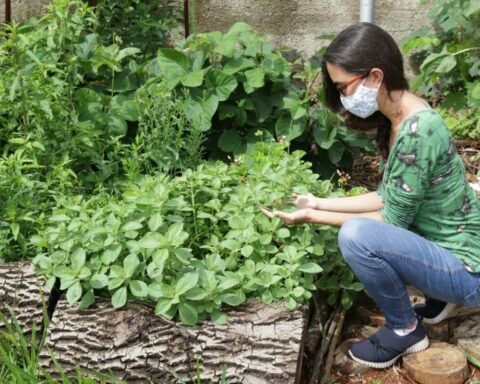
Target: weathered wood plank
<point>20,289</point>
<point>260,343</point>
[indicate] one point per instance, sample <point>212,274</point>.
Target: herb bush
<point>450,63</point>
<point>196,242</point>
<point>241,89</point>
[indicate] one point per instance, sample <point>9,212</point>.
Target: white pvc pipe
<point>367,10</point>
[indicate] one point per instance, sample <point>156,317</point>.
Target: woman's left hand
<point>298,217</point>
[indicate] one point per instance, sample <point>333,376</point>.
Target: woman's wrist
<point>318,204</point>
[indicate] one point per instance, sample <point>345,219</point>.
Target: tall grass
<point>19,356</point>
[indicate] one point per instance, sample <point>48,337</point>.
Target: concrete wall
<point>23,9</point>
<point>301,23</point>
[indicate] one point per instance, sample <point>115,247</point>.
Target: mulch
<point>365,172</point>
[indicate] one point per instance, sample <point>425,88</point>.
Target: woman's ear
<point>376,76</point>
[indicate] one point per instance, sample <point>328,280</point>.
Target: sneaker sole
<point>418,347</point>
<point>442,315</point>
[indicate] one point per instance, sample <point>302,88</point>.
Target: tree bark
<point>259,344</point>
<point>20,290</point>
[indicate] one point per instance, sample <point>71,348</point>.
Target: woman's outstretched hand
<point>297,217</point>
<point>305,201</point>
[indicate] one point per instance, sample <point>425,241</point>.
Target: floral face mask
<point>363,102</point>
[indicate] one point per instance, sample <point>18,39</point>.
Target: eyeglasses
<point>342,88</point>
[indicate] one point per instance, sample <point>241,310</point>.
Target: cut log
<point>260,343</point>
<point>20,289</point>
<point>467,336</point>
<point>441,363</point>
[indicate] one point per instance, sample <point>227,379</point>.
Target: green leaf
<point>219,317</point>
<point>220,84</point>
<point>310,268</point>
<point>335,152</point>
<point>163,306</point>
<point>74,293</point>
<point>288,128</point>
<point>155,222</point>
<point>87,300</point>
<point>151,240</point>
<point>185,283</point>
<point>170,59</point>
<point>138,288</point>
<point>15,228</point>
<point>227,284</point>
<point>125,107</point>
<point>283,233</point>
<point>246,250</point>
<point>446,64</point>
<point>119,298</point>
<point>99,281</point>
<point>78,259</point>
<point>230,141</point>
<point>233,299</point>
<point>111,253</point>
<point>347,300</point>
<point>132,226</point>
<point>130,264</point>
<point>193,79</point>
<point>196,294</point>
<point>237,65</point>
<point>227,46</point>
<point>239,27</point>
<point>188,314</point>
<point>290,303</point>
<point>255,79</point>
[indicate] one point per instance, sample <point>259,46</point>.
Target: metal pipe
<point>8,11</point>
<point>367,8</point>
<point>186,16</point>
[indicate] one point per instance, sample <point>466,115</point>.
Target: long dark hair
<point>357,50</point>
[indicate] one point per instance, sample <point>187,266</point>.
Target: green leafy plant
<point>450,60</point>
<point>196,242</point>
<point>147,25</point>
<point>240,89</point>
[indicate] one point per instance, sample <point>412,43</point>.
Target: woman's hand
<point>298,217</point>
<point>305,201</point>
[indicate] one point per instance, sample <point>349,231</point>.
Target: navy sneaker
<point>434,311</point>
<point>383,348</point>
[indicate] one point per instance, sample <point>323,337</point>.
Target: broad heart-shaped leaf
<point>78,259</point>
<point>138,288</point>
<point>236,65</point>
<point>74,293</point>
<point>230,141</point>
<point>295,105</point>
<point>193,79</point>
<point>324,136</point>
<point>220,84</point>
<point>130,264</point>
<point>263,106</point>
<point>171,59</point>
<point>188,313</point>
<point>310,268</point>
<point>238,27</point>
<point>119,298</point>
<point>200,113</point>
<point>163,306</point>
<point>290,128</point>
<point>335,152</point>
<point>227,46</point>
<point>255,79</point>
<point>185,283</point>
<point>117,126</point>
<point>125,107</point>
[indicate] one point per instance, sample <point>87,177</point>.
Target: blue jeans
<point>386,258</point>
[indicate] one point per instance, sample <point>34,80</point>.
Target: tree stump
<point>260,344</point>
<point>441,363</point>
<point>20,289</point>
<point>467,336</point>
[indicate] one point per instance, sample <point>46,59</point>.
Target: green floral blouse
<point>424,188</point>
